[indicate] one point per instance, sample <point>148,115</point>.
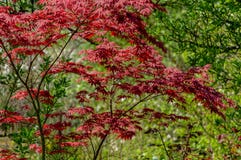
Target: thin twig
<point>164,146</point>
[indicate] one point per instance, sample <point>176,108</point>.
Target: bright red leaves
<point>8,155</point>
<point>9,117</point>
<point>43,95</point>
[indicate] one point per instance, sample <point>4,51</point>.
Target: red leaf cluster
<point>72,144</point>
<point>102,124</point>
<point>43,95</point>
<point>8,155</point>
<point>142,65</point>
<point>9,117</point>
<point>36,148</point>
<point>159,115</point>
<point>80,110</point>
<point>53,127</point>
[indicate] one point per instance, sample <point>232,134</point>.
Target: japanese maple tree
<point>117,77</point>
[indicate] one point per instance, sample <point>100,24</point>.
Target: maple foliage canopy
<point>134,71</point>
